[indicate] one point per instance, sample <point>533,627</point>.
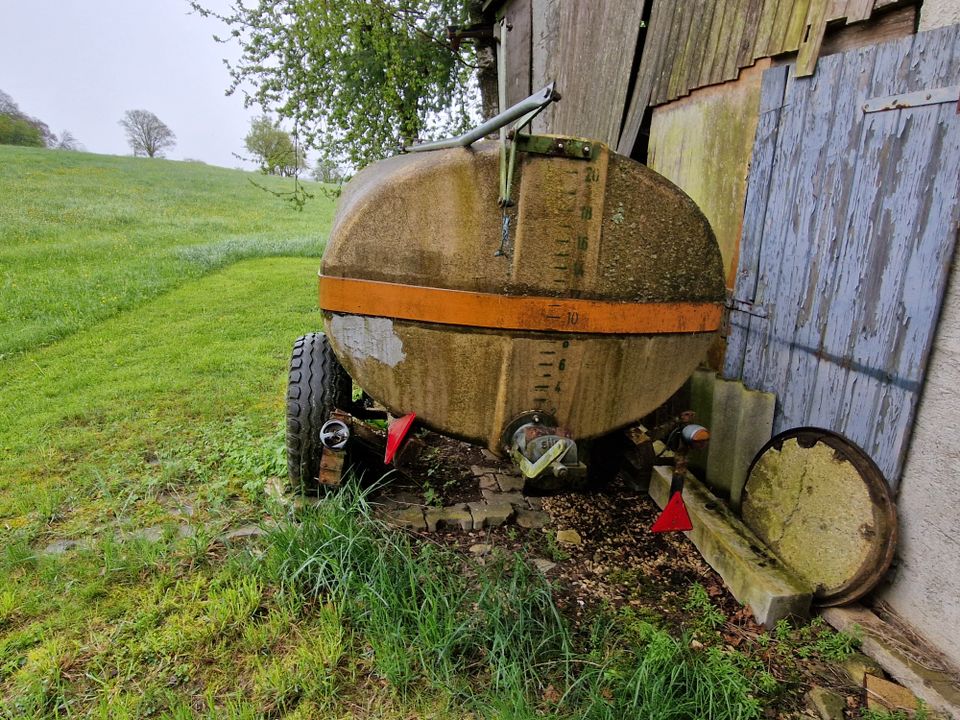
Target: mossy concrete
<point>752,573</point>
<point>740,422</point>
<point>926,675</point>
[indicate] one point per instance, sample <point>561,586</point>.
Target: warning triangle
<point>674,516</point>
<point>395,434</point>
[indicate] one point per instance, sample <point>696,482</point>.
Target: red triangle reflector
<point>395,434</point>
<point>674,516</point>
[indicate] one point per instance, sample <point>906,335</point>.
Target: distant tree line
<point>18,128</point>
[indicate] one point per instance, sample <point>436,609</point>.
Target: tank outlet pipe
<point>532,105</point>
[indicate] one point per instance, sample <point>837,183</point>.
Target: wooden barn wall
<point>697,43</point>
<point>703,144</point>
<point>586,48</point>
<point>850,225</point>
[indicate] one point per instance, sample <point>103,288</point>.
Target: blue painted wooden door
<point>849,230</point>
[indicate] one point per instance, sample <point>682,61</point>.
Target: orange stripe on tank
<point>514,312</point>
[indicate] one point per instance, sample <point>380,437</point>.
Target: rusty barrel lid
<point>823,507</point>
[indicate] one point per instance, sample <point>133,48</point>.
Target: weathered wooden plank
<point>819,308</point>
<point>693,23</point>
<point>842,381</point>
<point>760,357</point>
<point>758,182</point>
<point>831,113</point>
<point>592,80</point>
<point>911,259</point>
<point>815,26</point>
<point>700,41</point>
<point>517,46</point>
<point>858,10</point>
<point>837,10</point>
<point>786,359</point>
<point>888,26</point>
<point>545,26</point>
<point>765,28</point>
<point>781,39</point>
<point>751,25</point>
<point>716,51</point>
<point>668,55</point>
<point>797,27</point>
<point>649,66</point>
<point>734,36</point>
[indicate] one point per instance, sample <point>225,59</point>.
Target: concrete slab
<point>753,574</point>
<point>929,678</point>
<point>452,517</point>
<point>489,514</point>
<point>741,421</point>
<point>410,518</point>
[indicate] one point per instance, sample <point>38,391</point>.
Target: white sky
<point>77,65</point>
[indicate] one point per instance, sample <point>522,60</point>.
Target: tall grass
<point>491,637</point>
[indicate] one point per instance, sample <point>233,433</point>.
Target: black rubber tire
<point>317,384</point>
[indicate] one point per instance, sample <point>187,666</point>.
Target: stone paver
<point>514,498</point>
<point>410,518</point>
<point>479,470</point>
<point>510,483</point>
<point>490,514</point>
<point>532,519</point>
<point>448,518</point>
<point>489,482</point>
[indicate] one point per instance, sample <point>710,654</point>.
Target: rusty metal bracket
<point>913,99</point>
<point>566,147</point>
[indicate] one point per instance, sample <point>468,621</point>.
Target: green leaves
<point>358,78</point>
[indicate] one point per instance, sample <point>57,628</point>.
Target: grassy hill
<point>83,237</point>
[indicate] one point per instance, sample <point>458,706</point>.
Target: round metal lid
<point>821,504</point>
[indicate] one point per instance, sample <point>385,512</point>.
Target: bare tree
<point>146,133</point>
<point>68,142</point>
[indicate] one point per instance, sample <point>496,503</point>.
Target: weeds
<point>489,638</point>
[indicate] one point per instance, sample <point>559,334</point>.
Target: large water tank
<point>590,298</point>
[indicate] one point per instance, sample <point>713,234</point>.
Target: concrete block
<point>701,402</point>
<point>514,498</point>
<point>510,483</point>
<point>448,518</point>
<point>754,575</point>
<point>858,666</point>
<point>479,470</point>
<point>410,518</point>
<point>928,677</point>
<point>741,422</point>
<point>490,514</point>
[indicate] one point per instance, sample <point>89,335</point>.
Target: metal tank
<point>526,300</point>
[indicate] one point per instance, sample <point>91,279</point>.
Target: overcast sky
<point>77,65</point>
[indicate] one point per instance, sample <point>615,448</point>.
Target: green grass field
<point>148,308</point>
<point>84,236</point>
